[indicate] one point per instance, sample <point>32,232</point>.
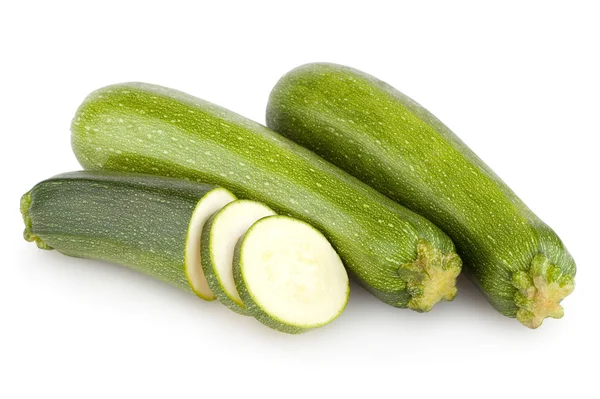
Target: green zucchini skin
<point>139,221</point>
<point>387,140</point>
<point>137,127</point>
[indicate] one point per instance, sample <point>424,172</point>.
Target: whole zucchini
<point>399,256</point>
<point>148,223</point>
<point>386,139</point>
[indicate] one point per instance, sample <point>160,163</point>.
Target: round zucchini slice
<point>288,275</point>
<point>219,238</point>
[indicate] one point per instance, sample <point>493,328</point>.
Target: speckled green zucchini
<point>289,276</point>
<point>220,235</point>
<point>399,256</point>
<point>381,136</point>
<point>148,223</point>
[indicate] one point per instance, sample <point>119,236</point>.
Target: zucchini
<point>219,238</point>
<point>147,223</point>
<point>399,256</point>
<point>289,276</point>
<point>386,139</point>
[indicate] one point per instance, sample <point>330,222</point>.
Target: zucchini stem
<point>28,232</point>
<point>431,277</point>
<point>540,290</point>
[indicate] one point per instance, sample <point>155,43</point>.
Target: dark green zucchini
<point>386,139</point>
<point>148,223</point>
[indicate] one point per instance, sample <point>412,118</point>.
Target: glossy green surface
<point>379,135</point>
<point>136,127</point>
<point>139,221</point>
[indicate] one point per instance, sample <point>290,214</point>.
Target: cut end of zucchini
<point>208,205</point>
<point>28,232</point>
<point>431,277</point>
<point>540,290</point>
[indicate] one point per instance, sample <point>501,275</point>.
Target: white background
<point>518,81</point>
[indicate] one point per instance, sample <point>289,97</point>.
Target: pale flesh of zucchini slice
<point>289,276</point>
<point>219,237</point>
<point>208,205</point>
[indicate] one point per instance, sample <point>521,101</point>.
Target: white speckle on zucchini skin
<point>304,181</point>
<point>423,166</point>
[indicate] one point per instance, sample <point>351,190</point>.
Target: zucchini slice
<point>219,238</point>
<point>398,255</point>
<point>148,223</point>
<point>289,276</point>
<point>390,142</point>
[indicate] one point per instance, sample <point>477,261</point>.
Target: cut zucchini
<point>219,238</point>
<point>148,223</point>
<point>289,276</point>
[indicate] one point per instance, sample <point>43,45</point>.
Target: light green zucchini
<point>289,276</point>
<point>219,237</point>
<point>386,139</point>
<point>148,223</point>
<point>399,256</point>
